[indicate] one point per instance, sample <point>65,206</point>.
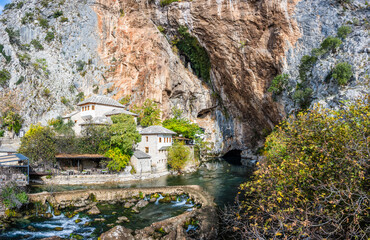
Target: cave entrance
<point>233,157</point>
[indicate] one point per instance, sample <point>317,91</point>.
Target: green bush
<point>20,80</point>
<point>46,92</point>
<point>167,2</point>
<point>307,62</point>
<point>9,6</point>
<point>80,97</point>
<point>80,65</point>
<point>194,53</point>
<point>2,132</point>
<point>4,78</point>
<point>37,45</point>
<point>342,72</point>
<point>149,113</point>
<point>27,18</point>
<point>343,31</point>
<point>13,35</point>
<point>303,97</point>
<point>12,121</point>
<point>178,155</point>
<point>57,13</point>
<point>313,182</point>
<point>64,19</point>
<point>330,44</point>
<point>49,36</point>
<point>279,84</point>
<point>13,196</point>
<point>20,5</point>
<point>7,58</point>
<point>43,23</point>
<point>64,100</point>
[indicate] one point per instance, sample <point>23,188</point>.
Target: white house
<point>151,152</point>
<point>95,110</point>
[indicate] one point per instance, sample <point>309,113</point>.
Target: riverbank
<point>99,178</point>
<point>66,212</point>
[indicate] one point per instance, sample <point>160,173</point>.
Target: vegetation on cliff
<point>178,155</point>
<point>149,113</point>
<point>313,182</point>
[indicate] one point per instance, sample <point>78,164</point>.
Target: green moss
<point>194,53</point>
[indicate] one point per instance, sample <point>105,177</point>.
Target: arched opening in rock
<point>233,157</point>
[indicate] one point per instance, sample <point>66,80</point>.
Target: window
<point>160,139</point>
<point>146,149</point>
<point>147,138</point>
<point>93,107</point>
<point>75,121</point>
<point>88,108</point>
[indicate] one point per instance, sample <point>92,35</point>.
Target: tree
<point>61,127</point>
<point>123,138</point>
<point>38,145</point>
<point>313,182</point>
<point>279,83</point>
<point>13,121</point>
<point>342,72</point>
<point>149,113</point>
<point>182,126</point>
<point>178,155</point>
<point>343,31</point>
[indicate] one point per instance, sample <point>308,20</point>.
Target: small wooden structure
<point>20,164</point>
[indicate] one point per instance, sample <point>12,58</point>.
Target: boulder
<point>99,220</point>
<point>122,219</point>
<point>141,203</point>
<point>58,229</point>
<point>117,233</point>
<point>53,238</point>
<point>129,204</point>
<point>152,200</point>
<point>31,228</point>
<point>135,209</point>
<point>94,211</point>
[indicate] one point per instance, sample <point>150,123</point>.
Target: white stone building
<point>95,110</point>
<point>151,153</point>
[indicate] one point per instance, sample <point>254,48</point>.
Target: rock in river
<point>94,211</point>
<point>117,233</point>
<point>142,203</point>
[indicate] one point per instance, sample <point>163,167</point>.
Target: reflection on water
<point>217,177</point>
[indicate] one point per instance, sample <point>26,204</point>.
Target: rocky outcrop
<point>117,233</point>
<point>115,48</point>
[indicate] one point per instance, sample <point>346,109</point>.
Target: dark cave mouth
<point>233,157</point>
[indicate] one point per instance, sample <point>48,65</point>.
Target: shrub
<point>13,196</point>
<point>125,100</point>
<point>307,62</point>
<point>20,80</point>
<point>9,6</point>
<point>80,65</point>
<point>13,35</point>
<point>80,97</point>
<point>118,160</point>
<point>57,13</point>
<point>178,155</point>
<point>4,78</point>
<point>303,97</point>
<point>313,182</point>
<point>342,72</point>
<point>43,23</point>
<point>27,18</point>
<point>330,44</point>
<point>12,121</point>
<point>149,113</point>
<point>64,100</point>
<point>46,92</point>
<point>343,31</point>
<point>49,36</point>
<point>64,19</point>
<point>160,28</point>
<point>194,53</point>
<point>20,5</point>
<point>45,3</point>
<point>2,133</point>
<point>279,83</point>
<point>7,58</point>
<point>167,2</point>
<point>37,45</point>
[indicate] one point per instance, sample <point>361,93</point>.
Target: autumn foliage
<point>314,180</point>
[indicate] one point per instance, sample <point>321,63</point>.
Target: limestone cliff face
<point>114,47</point>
